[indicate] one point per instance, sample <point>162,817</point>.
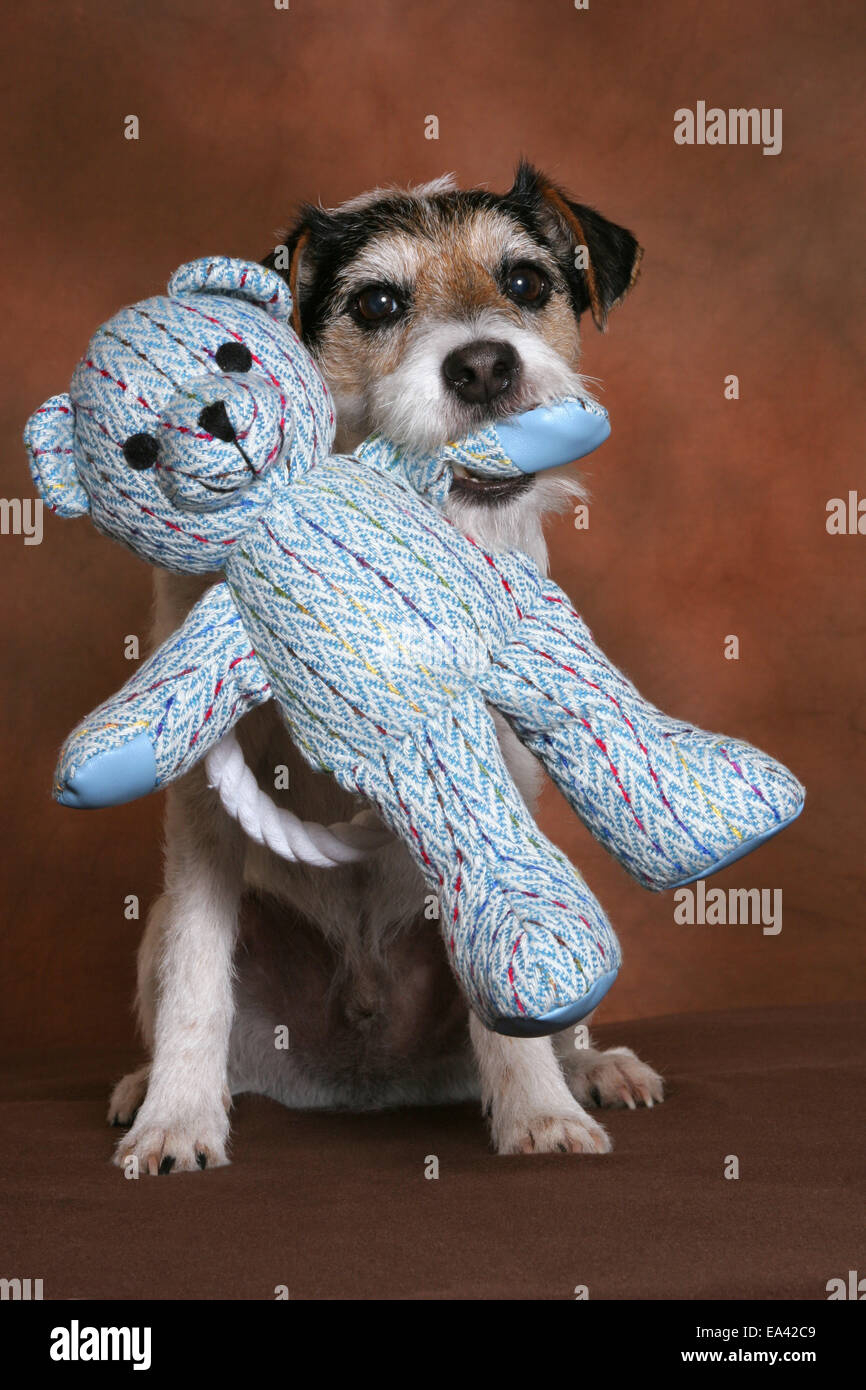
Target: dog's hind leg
<point>613,1078</point>
<point>127,1096</point>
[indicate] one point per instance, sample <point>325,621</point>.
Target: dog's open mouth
<point>473,488</point>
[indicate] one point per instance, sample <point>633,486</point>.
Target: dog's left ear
<point>600,259</point>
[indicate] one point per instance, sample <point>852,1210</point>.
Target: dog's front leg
<point>527,1100</point>
<point>183,1122</point>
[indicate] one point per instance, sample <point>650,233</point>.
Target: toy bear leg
<point>670,801</point>
<point>526,938</point>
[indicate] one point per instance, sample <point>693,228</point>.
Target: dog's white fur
<point>412,402</point>
<point>209,1004</point>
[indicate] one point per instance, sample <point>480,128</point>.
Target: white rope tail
<point>302,842</point>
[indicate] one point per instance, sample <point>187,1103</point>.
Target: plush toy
<point>198,432</point>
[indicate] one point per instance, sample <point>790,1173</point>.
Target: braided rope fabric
<point>669,800</point>
<point>376,619</point>
<point>151,370</point>
<point>525,934</point>
<point>184,698</point>
<point>381,631</point>
<point>282,832</point>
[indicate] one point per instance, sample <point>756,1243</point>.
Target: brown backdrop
<point>707,516</point>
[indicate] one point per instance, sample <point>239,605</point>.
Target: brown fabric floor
<point>337,1207</point>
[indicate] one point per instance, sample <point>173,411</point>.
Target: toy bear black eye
<point>141,451</point>
<point>233,357</point>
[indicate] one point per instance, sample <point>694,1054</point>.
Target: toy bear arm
<point>180,703</point>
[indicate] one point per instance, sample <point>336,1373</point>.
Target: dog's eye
<point>233,357</point>
<point>376,304</point>
<point>527,285</point>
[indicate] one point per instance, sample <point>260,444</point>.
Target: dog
<point>430,310</point>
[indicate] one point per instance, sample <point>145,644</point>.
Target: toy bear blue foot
<point>110,778</point>
<point>522,1026</point>
<point>740,851</point>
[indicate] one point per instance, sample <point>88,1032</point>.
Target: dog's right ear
<point>296,257</point>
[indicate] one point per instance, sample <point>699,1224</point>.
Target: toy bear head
<point>185,416</point>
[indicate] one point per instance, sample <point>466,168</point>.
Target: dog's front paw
<point>616,1077</point>
<point>184,1145</point>
<point>573,1132</point>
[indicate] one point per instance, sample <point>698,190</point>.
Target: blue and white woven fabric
<point>198,432</point>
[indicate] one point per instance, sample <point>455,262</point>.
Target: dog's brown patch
<point>569,217</point>
<point>461,277</point>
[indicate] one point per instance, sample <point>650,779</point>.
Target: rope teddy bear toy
<point>198,432</point>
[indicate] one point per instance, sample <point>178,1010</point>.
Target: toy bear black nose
<point>215,419</point>
<point>141,451</point>
<point>233,357</point>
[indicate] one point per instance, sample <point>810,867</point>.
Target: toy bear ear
<point>244,279</point>
<point>49,440</point>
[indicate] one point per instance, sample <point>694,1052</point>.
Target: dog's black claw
<point>167,1164</point>
<point>201,1160</point>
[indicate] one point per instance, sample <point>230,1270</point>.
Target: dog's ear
<point>296,257</point>
<point>601,260</point>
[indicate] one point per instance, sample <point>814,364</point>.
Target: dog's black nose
<point>215,419</point>
<point>480,371</point>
